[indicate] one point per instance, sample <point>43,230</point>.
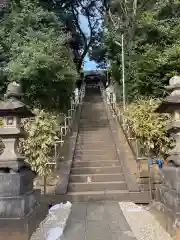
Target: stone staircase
<point>96,173</point>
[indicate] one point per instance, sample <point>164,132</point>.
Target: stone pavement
<point>97,221</point>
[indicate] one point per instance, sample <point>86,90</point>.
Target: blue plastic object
<point>155,161</point>
<point>159,163</point>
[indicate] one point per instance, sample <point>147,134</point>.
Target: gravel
<point>143,224</point>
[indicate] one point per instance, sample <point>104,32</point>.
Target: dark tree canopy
<point>70,12</point>
<point>42,45</point>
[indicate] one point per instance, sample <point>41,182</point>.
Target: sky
<point>88,65</point>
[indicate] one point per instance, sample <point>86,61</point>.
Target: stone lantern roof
<point>172,102</point>
<point>12,106</point>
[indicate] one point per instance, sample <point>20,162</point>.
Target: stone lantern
<point>18,200</point>
<point>169,192</point>
<point>3,3</point>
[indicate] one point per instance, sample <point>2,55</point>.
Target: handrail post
<point>68,121</point>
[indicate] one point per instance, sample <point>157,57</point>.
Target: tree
<point>151,33</point>
<point>42,45</point>
<point>71,11</point>
<point>35,52</point>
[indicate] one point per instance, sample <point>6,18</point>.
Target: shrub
<point>1,143</point>
<point>38,148</point>
<point>149,126</point>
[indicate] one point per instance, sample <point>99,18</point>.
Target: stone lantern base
<point>22,228</point>
<point>169,192</point>
<point>20,210</point>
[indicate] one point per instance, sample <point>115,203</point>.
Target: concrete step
<point>80,146</point>
<point>105,124</point>
<point>100,119</point>
<point>91,137</point>
<point>96,177</point>
<point>90,121</point>
<point>94,122</point>
<point>90,148</point>
<point>92,128</point>
<point>105,141</point>
<point>101,152</point>
<point>96,173</point>
<point>92,116</point>
<point>93,108</point>
<point>107,195</point>
<point>96,163</point>
<point>100,127</point>
<point>97,186</point>
<point>95,132</point>
<point>87,122</point>
<point>85,142</point>
<point>93,148</point>
<point>96,170</point>
<point>80,157</point>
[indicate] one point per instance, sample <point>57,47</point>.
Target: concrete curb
<point>64,167</point>
<point>122,155</point>
<point>143,224</point>
<point>53,226</point>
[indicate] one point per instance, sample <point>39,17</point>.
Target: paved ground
<point>97,221</point>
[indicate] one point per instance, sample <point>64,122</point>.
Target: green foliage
<point>70,12</point>
<point>1,122</point>
<point>1,143</point>
<point>38,148</point>
<point>35,52</point>
<point>148,125</point>
<point>41,44</point>
<point>155,55</point>
<point>151,44</point>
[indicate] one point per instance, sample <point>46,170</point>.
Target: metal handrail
<point>68,120</point>
<point>117,112</point>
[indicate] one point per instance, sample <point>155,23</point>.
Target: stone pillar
<point>169,192</point>
<point>19,206</point>
<point>3,3</point>
<point>111,93</point>
<point>76,95</point>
